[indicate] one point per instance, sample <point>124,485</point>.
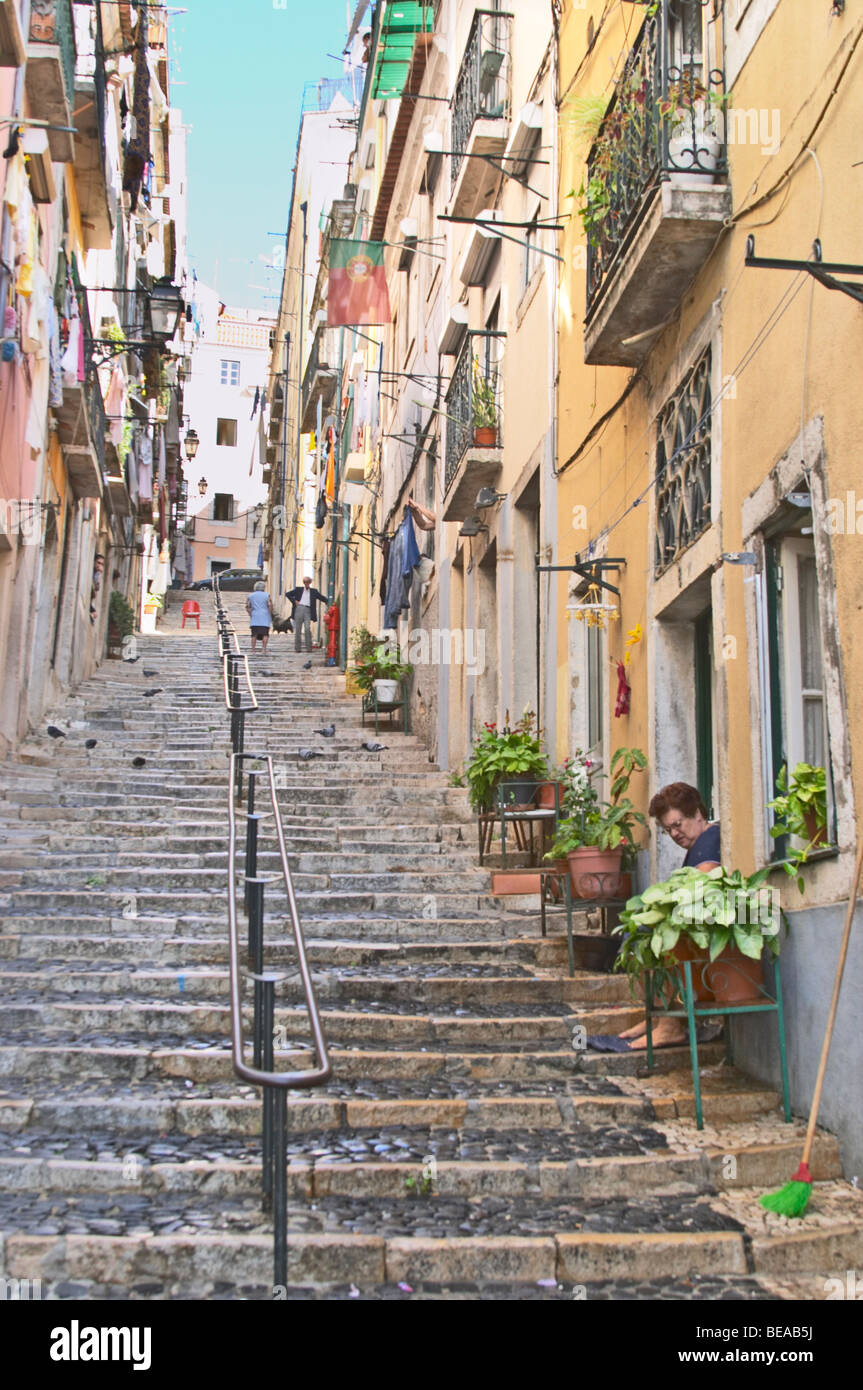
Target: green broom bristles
<point>793,1198</point>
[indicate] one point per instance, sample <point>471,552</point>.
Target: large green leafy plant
<point>714,910</point>
<point>499,754</point>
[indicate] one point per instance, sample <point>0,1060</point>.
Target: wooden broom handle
<point>834,1004</point>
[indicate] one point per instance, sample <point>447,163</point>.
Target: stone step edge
<point>319,1260</point>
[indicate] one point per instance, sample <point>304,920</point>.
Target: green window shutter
<point>704,707</point>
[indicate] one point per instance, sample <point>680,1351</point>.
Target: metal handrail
<point>301,1079</point>
<point>238,709</point>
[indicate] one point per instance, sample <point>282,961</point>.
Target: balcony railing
<point>474,401</point>
<point>318,377</point>
<point>51,22</point>
<point>483,85</point>
<point>667,118</point>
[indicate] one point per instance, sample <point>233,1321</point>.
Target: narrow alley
<point>464,1146</point>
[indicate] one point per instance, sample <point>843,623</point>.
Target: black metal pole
<point>268,1010</point>
<point>280,1188</point>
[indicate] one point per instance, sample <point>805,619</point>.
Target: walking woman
<point>260,614</point>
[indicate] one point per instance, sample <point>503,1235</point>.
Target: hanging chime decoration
<point>593,611</point>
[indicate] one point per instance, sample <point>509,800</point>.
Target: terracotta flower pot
<point>485,436</point>
<point>817,833</point>
<point>595,873</point>
<point>735,978</point>
<point>686,949</point>
<point>545,795</point>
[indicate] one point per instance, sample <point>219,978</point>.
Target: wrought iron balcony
<point>480,110</point>
<point>654,194</point>
<point>474,423</point>
<point>50,71</point>
<point>319,380</point>
<point>683,459</point>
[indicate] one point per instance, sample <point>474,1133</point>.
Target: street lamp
<point>202,486</point>
<point>165,305</point>
<point>191,443</point>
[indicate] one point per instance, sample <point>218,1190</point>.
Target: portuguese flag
<point>358,287</point>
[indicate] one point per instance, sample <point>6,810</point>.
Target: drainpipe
<point>284,462</point>
<point>304,209</point>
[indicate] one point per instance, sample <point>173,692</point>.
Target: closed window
<point>226,433</point>
<point>230,373</point>
<point>223,507</point>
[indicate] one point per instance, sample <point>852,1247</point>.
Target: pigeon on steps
<point>306,753</point>
<point>374,747</point>
<point>327,733</point>
<point>148,672</point>
<point>307,666</point>
<point>148,693</point>
<point>138,762</point>
<point>90,743</point>
<point>55,732</point>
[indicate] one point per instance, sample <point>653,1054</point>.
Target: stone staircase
<point>463,1148</point>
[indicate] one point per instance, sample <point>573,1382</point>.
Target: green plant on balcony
<point>483,402</point>
<point>504,755</point>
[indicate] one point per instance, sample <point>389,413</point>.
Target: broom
<point>793,1198</point>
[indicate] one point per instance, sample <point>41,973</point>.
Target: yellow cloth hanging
<point>331,474</point>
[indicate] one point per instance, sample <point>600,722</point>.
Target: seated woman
<point>680,813</point>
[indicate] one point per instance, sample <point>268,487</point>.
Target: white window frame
<point>794,695</point>
<point>229,372</point>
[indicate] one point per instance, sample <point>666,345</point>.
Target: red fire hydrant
<point>332,622</point>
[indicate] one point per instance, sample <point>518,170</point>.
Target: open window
<point>795,666</point>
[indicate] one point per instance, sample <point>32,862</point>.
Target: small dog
<point>282,625</point>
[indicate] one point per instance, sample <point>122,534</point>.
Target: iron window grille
<point>683,462</point>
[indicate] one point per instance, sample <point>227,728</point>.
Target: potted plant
<point>358,679</point>
<point>694,148</point>
<point>800,811</point>
<point>597,838</point>
<point>721,919</point>
<point>388,671</point>
<point>484,410</point>
<point>509,757</point>
<point>121,623</point>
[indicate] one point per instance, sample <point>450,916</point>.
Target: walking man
<point>305,601</point>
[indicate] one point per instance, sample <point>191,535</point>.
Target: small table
<point>762,1002</point>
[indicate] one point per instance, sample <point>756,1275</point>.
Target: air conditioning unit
<point>526,134</point>
<point>454,331</point>
<point>481,246</point>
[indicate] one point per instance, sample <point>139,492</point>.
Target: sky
<point>237,76</point>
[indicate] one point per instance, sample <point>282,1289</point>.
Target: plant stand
<point>761,1002</point>
<point>608,908</point>
<point>371,705</point>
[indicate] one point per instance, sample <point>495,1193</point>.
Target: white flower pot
<point>387,692</point>
<point>680,152</point>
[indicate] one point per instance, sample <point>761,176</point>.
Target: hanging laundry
<point>385,550</point>
<point>55,373</point>
<point>624,691</point>
<point>145,467</point>
<point>138,149</point>
<point>132,473</point>
<point>330,485</point>
<point>256,403</point>
<point>162,474</point>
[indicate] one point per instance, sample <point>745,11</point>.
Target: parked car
<point>242,581</point>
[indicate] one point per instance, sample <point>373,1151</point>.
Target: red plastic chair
<point>191,609</point>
